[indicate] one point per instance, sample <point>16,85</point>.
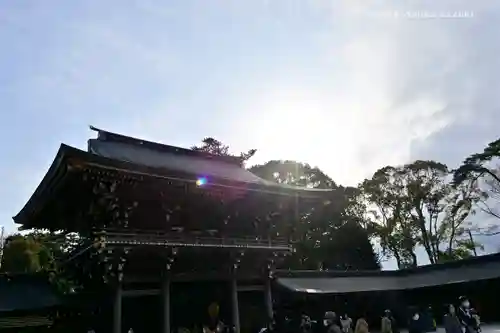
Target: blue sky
<point>349,86</point>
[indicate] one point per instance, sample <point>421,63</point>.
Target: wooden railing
<point>186,240</point>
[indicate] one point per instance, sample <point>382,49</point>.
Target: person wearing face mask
<point>386,325</point>
<point>330,323</point>
<point>305,324</point>
<point>346,323</point>
<point>465,316</point>
<point>415,325</point>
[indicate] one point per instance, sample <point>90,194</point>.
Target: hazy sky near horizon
<point>349,86</point>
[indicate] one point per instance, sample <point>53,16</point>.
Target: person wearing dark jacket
<point>451,322</point>
<point>476,317</point>
<point>415,325</point>
<point>428,320</point>
<point>330,323</point>
<point>465,316</point>
<point>306,324</point>
<point>270,326</point>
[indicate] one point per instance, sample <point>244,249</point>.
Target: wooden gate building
<point>152,216</point>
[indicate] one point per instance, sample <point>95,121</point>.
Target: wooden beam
<point>257,287</point>
<point>153,292</point>
<point>193,277</point>
<point>141,292</point>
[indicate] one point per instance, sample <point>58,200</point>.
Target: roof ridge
<point>104,135</point>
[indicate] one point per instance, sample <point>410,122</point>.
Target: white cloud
<point>383,88</point>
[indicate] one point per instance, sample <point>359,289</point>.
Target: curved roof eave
<point>157,161</point>
<point>262,185</point>
<point>66,152</point>
<point>337,282</point>
<point>47,181</point>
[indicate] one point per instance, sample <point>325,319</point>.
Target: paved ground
<point>495,328</point>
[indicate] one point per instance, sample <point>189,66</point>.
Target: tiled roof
<point>332,282</point>
<point>170,161</point>
<point>155,161</point>
<point>25,292</point>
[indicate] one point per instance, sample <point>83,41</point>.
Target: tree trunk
<point>414,259</point>
<point>398,261</point>
<point>397,257</point>
<point>425,236</point>
<point>492,174</point>
<point>450,242</point>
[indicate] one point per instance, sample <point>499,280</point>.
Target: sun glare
<point>201,181</point>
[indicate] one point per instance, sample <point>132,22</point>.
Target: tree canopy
<point>477,165</point>
<point>417,205</point>
<point>483,168</point>
<point>35,251</point>
<point>215,147</point>
<point>327,236</point>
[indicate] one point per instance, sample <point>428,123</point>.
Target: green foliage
<point>215,147</point>
<point>476,165</point>
<point>388,199</point>
<point>481,167</point>
<point>35,251</point>
<point>293,173</point>
<point>331,236</point>
<point>21,255</point>
<point>328,236</point>
<point>39,253</point>
<point>491,198</point>
<point>415,204</point>
<point>348,247</point>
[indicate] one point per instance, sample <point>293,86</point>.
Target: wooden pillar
<point>118,299</point>
<point>268,297</point>
<point>236,312</point>
<point>268,288</point>
<point>117,308</point>
<point>166,302</point>
<point>165,289</point>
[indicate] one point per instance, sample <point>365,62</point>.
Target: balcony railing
<point>183,240</point>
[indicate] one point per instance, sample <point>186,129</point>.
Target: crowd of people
<point>461,319</point>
